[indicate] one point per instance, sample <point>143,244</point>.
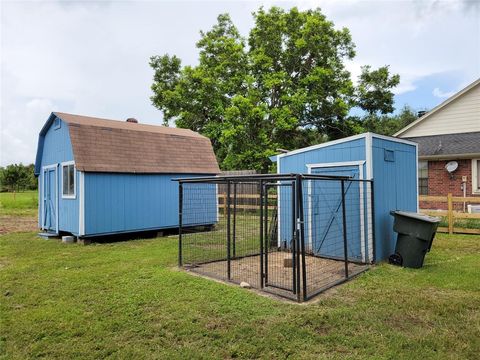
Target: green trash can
<point>415,237</point>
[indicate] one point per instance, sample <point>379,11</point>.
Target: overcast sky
<point>91,58</point>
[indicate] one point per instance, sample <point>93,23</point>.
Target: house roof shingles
<point>101,145</point>
<point>449,144</point>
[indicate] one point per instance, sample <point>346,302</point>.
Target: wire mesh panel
<point>203,228</point>
<point>279,251</point>
<point>339,239</point>
<point>245,238</point>
<point>291,235</point>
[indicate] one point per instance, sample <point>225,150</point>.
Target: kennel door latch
<point>299,224</point>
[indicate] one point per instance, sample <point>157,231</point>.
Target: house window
<point>423,177</point>
<point>68,183</point>
<point>476,176</point>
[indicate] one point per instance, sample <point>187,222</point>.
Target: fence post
<point>261,236</point>
<point>294,237</point>
<point>302,237</point>
<point>372,219</point>
<point>228,232</point>
<point>298,181</point>
<point>234,219</point>
<point>180,222</point>
<point>266,242</point>
<point>450,213</point>
<point>344,218</point>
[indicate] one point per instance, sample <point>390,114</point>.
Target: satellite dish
<point>451,166</point>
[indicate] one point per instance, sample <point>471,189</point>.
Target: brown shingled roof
<point>101,145</point>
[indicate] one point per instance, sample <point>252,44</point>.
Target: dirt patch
<point>9,224</point>
<point>321,272</point>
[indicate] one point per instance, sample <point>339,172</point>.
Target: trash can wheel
<point>395,259</point>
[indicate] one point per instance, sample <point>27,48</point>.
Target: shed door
<point>325,207</point>
<point>50,199</point>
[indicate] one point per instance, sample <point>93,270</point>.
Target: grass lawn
<point>462,223</point>
<point>23,203</point>
<point>128,300</point>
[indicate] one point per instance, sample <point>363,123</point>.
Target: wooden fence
<point>241,189</point>
<point>452,215</point>
<point>251,203</point>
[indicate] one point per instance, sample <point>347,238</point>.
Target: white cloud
<point>417,39</point>
<point>20,126</point>
<point>92,58</point>
<point>440,94</point>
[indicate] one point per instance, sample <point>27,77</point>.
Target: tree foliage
<point>17,177</point>
<point>284,86</point>
<point>373,90</point>
<point>385,124</point>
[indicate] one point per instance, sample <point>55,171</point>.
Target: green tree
<point>14,177</point>
<point>287,88</point>
<point>31,181</point>
<point>373,90</point>
<point>17,177</point>
<point>198,97</point>
<point>385,124</point>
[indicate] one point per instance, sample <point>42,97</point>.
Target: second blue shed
<point>392,165</point>
<point>99,176</point>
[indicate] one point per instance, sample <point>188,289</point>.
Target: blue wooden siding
<point>348,151</point>
<point>285,200</point>
<point>323,214</point>
<point>395,189</point>
<point>394,173</point>
<point>135,202</point>
<point>353,150</point>
<point>200,204</point>
<point>57,148</point>
<point>324,208</point>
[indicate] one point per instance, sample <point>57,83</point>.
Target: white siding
<point>459,116</point>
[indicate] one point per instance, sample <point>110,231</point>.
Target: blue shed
<point>392,165</point>
<point>99,177</point>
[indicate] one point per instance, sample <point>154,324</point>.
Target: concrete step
<point>48,235</point>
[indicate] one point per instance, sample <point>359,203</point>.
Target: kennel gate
<point>265,238</point>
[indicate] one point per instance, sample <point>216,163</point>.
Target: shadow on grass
<point>151,234</point>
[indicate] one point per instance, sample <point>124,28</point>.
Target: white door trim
<point>359,164</point>
<point>45,168</point>
<point>334,164</point>
<point>81,203</point>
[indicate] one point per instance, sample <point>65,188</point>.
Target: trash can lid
<point>417,216</point>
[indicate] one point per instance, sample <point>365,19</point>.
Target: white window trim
<point>66,163</point>
<point>475,179</point>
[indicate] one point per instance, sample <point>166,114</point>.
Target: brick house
<point>449,132</point>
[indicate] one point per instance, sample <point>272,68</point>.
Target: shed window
<point>389,155</point>
<point>57,123</point>
<point>423,177</point>
<point>68,176</point>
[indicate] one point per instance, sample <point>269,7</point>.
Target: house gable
<point>54,145</point>
<point>458,114</point>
